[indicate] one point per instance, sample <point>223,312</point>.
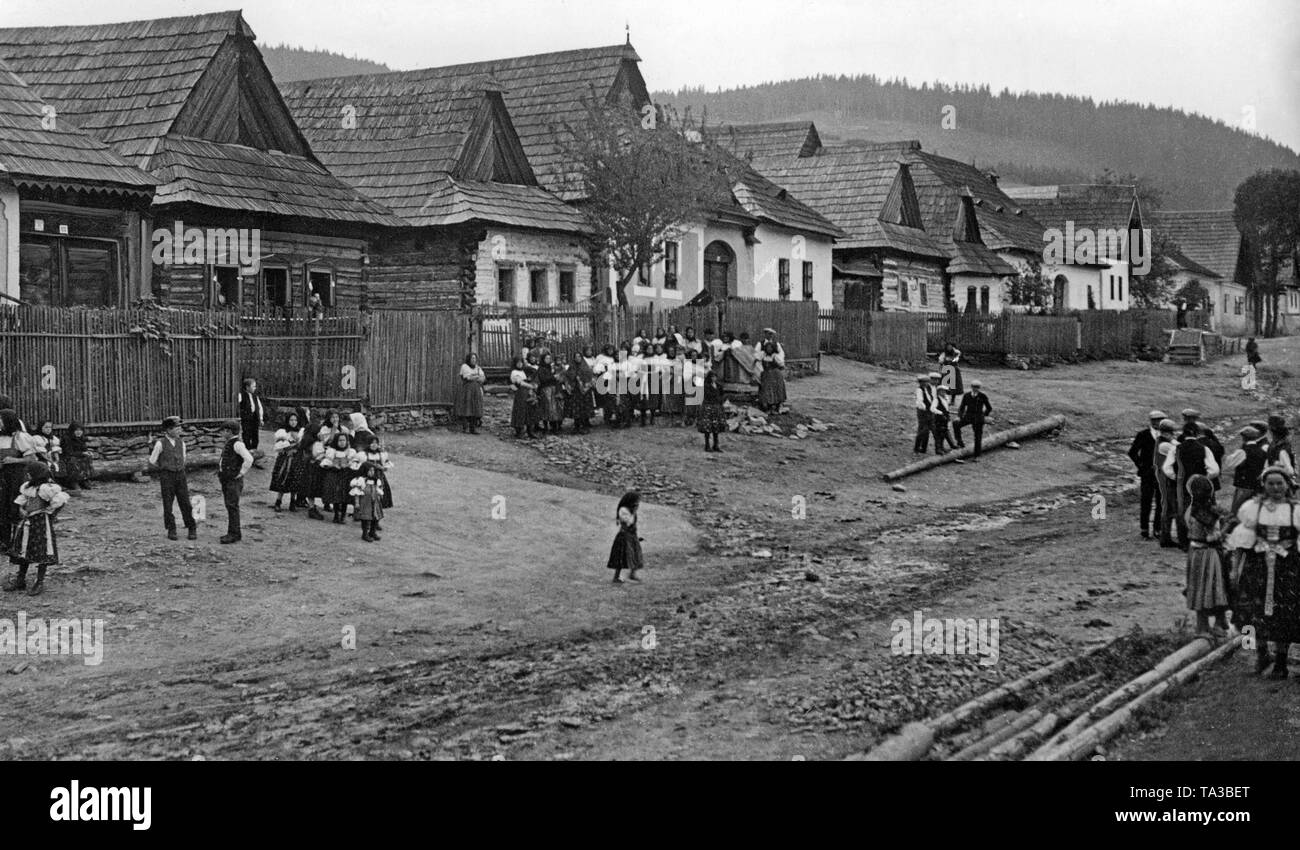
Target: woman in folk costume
<point>1206,588</point>
<point>288,441</point>
<point>606,392</point>
<point>1268,591</point>
<point>78,469</point>
<point>14,445</point>
<point>337,463</point>
<point>579,381</point>
<point>771,383</point>
<point>45,446</point>
<point>691,343</point>
<point>372,451</point>
<point>34,542</point>
<point>550,408</point>
<point>331,426</point>
<point>308,474</point>
<point>654,369</point>
<point>673,403</point>
<point>468,407</point>
<point>949,371</point>
<point>628,382</point>
<point>367,492</point>
<point>693,373</point>
<point>523,410</point>
<point>713,419</point>
<point>625,553</point>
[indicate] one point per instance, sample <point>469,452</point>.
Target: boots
<point>313,513</point>
<point>18,582</point>
<point>39,587</point>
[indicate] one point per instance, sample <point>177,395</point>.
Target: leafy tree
<point>1266,209</point>
<point>1151,291</point>
<point>642,176</point>
<point>1194,295</point>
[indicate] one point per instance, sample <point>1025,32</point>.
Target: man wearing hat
<point>1142,453</point>
<point>939,413</point>
<point>1205,435</point>
<point>1192,457</point>
<point>1246,464</point>
<point>924,401</point>
<point>168,459</point>
<point>972,410</point>
<point>235,462</point>
<point>1166,444</point>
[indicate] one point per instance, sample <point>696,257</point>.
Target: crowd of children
<point>671,378</point>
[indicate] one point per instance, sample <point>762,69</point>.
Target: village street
<point>755,634</point>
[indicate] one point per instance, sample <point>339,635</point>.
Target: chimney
<point>992,176</point>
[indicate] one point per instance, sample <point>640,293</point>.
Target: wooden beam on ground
<point>1001,438</point>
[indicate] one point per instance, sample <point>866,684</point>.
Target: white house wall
<point>9,240</point>
<point>524,251</point>
<point>777,243</point>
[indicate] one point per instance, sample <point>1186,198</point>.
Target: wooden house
<point>1096,276</point>
<point>191,101</point>
<point>72,210</point>
<point>443,154</point>
<point>1211,251</point>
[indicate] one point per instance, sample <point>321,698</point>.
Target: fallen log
<point>136,468</point>
<point>999,439</point>
<point>1017,745</point>
<point>1094,736</point>
<point>1022,721</point>
<point>1169,665</point>
<point>915,739</point>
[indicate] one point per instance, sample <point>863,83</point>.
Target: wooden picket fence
<point>1046,336</point>
<point>878,337</point>
<point>117,367</point>
<point>303,359</point>
<point>414,357</point>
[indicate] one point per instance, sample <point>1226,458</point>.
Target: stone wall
<point>121,445</point>
<point>407,418</point>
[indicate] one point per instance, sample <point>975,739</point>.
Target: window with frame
<point>984,299</point>
<point>783,279</point>
<point>225,287</point>
<point>321,282</point>
<point>275,288</point>
<point>68,272</point>
<point>903,296</point>
<point>643,274</point>
<point>672,256</point>
<point>537,293</point>
<point>505,285</point>
<point>925,292</point>
<point>568,286</point>
<point>1237,305</point>
<point>1119,281</point>
<point>807,280</point>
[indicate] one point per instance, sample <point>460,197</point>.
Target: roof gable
<point>1207,238</point>
<point>901,205</point>
<point>775,139</point>
<point>1094,206</point>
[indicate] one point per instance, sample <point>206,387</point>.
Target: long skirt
<point>523,412</point>
<point>334,486</point>
<point>579,406</point>
<point>771,387</point>
<point>1284,623</point>
<point>625,553</point>
<point>369,509</point>
<point>1206,589</point>
<point>285,471</point>
<point>713,420</point>
<point>77,468</point>
<point>306,478</point>
<point>12,476</point>
<point>387,500</point>
<point>34,541</point>
<point>550,407</point>
<point>468,403</point>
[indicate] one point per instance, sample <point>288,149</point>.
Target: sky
<point>1238,61</point>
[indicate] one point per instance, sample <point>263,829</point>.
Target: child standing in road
<point>367,491</point>
<point>713,421</point>
<point>625,553</point>
<point>39,501</point>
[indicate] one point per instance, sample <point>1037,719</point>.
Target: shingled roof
<point>853,188</point>
<point>434,151</point>
<point>45,149</point>
<point>162,91</point>
<point>774,139</point>
<point>1207,240</point>
<point>541,92</point>
<point>1095,206</point>
<point>767,201</point>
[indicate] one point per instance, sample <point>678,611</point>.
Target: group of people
<point>37,469</point>
<point>944,407</point>
<point>1243,568</point>
<point>671,378</point>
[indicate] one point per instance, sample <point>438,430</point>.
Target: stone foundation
<point>408,418</point>
<point>135,444</point>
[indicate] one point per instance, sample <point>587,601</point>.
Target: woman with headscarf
<point>308,474</point>
<point>1206,589</point>
<point>288,441</point>
<point>625,553</point>
<point>579,381</point>
<point>771,383</point>
<point>605,376</point>
<point>77,466</point>
<point>468,406</point>
<point>949,371</point>
<point>1268,592</point>
<point>550,412</point>
<point>523,411</point>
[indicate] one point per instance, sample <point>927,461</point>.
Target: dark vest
<point>1191,458</point>
<point>172,458</point>
<point>1247,474</point>
<point>231,462</point>
<point>1275,449</point>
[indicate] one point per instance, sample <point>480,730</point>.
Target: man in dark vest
<point>1247,462</point>
<point>939,414</point>
<point>1166,443</point>
<point>1207,436</point>
<point>235,463</point>
<point>1142,453</point>
<point>924,401</point>
<point>168,459</point>
<point>973,409</point>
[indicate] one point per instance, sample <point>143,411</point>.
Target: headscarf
<point>73,444</point>
<point>1203,508</point>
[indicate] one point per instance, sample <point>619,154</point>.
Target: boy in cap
<point>1205,435</point>
<point>236,460</point>
<point>1246,463</point>
<point>168,459</point>
<point>939,414</point>
<point>1142,453</point>
<point>1166,443</point>
<point>972,410</point>
<point>924,401</point>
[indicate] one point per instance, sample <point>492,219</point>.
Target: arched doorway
<point>1060,293</point>
<point>719,270</point>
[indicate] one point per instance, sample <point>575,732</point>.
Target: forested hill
<point>1195,161</point>
<point>295,63</point>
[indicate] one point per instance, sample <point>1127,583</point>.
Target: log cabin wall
<point>423,268</point>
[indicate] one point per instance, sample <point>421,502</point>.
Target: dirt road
<point>759,632</point>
